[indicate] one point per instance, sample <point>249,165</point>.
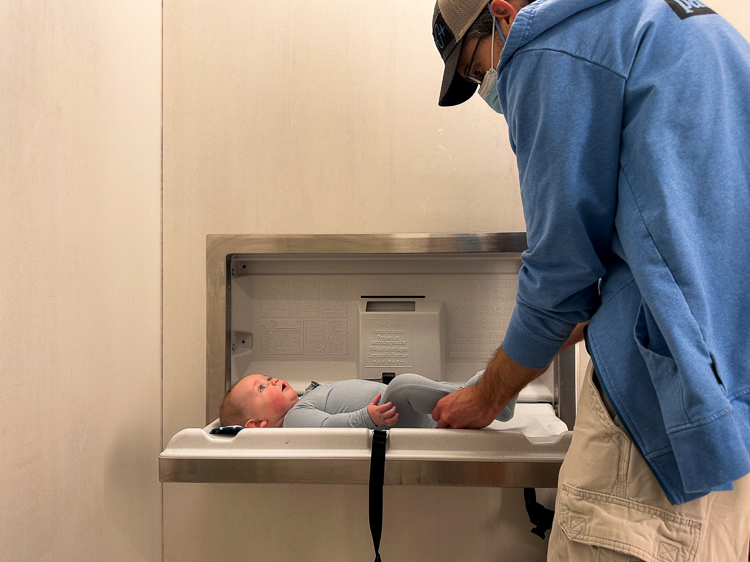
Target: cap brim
<point>455,89</point>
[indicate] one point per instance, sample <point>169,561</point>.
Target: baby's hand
<point>382,415</point>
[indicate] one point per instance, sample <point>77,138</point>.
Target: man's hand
<point>476,406</point>
<point>464,409</point>
<point>383,414</point>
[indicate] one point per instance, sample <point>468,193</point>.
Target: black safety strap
<point>540,516</point>
<point>377,470</point>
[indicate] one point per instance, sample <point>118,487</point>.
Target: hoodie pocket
<point>661,367</point>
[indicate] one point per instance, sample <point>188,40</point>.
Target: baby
<point>408,401</point>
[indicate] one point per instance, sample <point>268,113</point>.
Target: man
<point>630,121</point>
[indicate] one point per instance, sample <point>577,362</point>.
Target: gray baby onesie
<point>344,403</point>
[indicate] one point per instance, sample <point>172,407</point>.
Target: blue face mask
<point>488,89</point>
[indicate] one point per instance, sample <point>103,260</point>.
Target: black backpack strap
<point>540,516</point>
<point>377,470</point>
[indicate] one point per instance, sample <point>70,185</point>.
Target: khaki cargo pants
<point>610,507</point>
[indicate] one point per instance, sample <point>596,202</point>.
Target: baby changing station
<point>330,307</point>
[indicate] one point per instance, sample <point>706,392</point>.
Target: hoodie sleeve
<point>564,120</point>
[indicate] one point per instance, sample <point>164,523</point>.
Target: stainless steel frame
<point>566,391</point>
<point>397,472</point>
<point>221,248</point>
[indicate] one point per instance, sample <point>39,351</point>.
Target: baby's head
<point>257,401</point>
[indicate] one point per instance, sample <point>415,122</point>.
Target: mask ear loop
<point>502,36</point>
<point>492,41</point>
<point>500,31</point>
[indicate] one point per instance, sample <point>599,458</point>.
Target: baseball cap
<point>450,22</point>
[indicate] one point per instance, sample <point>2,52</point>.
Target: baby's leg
<point>474,380</point>
<point>415,397</point>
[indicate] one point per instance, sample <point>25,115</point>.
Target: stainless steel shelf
<point>338,471</point>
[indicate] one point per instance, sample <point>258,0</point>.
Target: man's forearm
<point>503,379</point>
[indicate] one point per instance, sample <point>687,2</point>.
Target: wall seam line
<point>161,263</point>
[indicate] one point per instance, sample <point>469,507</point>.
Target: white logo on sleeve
<point>688,8</point>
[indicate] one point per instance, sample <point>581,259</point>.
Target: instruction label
<point>388,342</point>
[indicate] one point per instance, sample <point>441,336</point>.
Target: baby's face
<point>270,398</point>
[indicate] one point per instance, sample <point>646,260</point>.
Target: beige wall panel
<point>80,357</point>
<point>737,12</point>
<point>299,117</point>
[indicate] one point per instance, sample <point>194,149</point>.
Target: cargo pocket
<point>625,526</point>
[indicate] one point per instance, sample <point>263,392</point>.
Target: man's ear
<point>256,423</point>
<point>504,10</point>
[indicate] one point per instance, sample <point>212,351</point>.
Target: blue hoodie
<point>630,120</point>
